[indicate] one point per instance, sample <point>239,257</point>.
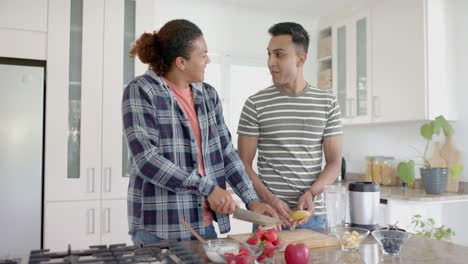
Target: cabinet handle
<point>90,221</point>
<point>106,220</point>
<point>107,179</point>
<point>90,180</point>
<point>376,106</point>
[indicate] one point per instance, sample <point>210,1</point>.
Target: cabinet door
<point>360,77</point>
<point>383,214</point>
<point>118,70</point>
<point>398,61</point>
<point>114,223</point>
<point>73,101</point>
<point>340,70</point>
<point>351,64</point>
<point>74,223</point>
<point>91,92</point>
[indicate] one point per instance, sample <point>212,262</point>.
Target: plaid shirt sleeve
<point>234,168</point>
<point>141,131</point>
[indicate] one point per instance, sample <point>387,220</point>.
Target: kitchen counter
<point>418,249</point>
<point>414,194</point>
<point>411,194</point>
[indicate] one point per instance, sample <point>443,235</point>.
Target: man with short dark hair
<point>290,123</point>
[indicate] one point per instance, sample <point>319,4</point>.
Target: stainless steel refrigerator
<point>22,92</point>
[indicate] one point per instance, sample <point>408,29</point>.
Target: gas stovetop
<point>164,253</point>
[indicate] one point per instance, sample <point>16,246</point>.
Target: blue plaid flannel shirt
<point>164,182</point>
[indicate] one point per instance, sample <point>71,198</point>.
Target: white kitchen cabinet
<point>85,154</point>
<point>114,223</point>
<point>383,213</point>
<point>23,27</point>
<point>413,60</point>
<point>85,223</point>
<point>351,67</point>
<point>401,67</point>
<point>74,223</point>
<point>84,147</point>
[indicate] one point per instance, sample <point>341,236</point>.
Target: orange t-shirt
<point>185,100</point>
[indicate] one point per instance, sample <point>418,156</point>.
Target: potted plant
<point>427,228</point>
<point>434,172</point>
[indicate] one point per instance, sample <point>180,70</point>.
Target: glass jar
<point>377,169</point>
<point>369,164</point>
<point>389,176</point>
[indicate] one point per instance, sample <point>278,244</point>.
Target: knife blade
<point>256,218</point>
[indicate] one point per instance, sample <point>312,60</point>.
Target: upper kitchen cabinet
<point>351,68</point>
<point>23,27</point>
<point>87,69</point>
<point>350,64</point>
<point>413,60</point>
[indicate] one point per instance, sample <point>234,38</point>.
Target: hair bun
<point>145,47</point>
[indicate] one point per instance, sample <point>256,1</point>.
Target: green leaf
<point>406,171</point>
<point>427,131</point>
<point>455,170</point>
<point>446,127</point>
<point>436,126</point>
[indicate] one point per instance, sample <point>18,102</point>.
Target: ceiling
<point>314,8</point>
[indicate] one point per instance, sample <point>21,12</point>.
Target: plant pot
<point>434,180</point>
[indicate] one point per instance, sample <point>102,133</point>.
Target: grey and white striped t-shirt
<point>290,128</point>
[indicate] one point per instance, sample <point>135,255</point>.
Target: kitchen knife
<point>256,218</point>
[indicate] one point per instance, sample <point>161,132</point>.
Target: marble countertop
<point>418,249</point>
<point>414,194</point>
<point>410,194</point>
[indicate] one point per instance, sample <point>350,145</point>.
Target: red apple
<point>296,254</point>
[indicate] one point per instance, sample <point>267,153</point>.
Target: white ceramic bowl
<point>215,248</point>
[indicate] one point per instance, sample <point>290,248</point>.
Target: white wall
<point>239,32</point>
<point>461,126</point>
<point>402,140</point>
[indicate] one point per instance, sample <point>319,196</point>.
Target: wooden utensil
<point>256,218</point>
<point>437,161</point>
<point>452,156</point>
<point>312,239</point>
<point>193,231</point>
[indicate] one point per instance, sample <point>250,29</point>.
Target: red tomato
<point>242,260</point>
<point>296,254</point>
<point>259,234</point>
<point>261,257</point>
<point>252,241</point>
<point>277,242</point>
<point>243,252</point>
<point>270,235</point>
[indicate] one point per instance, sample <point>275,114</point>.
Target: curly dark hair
<point>160,49</point>
<point>299,35</point>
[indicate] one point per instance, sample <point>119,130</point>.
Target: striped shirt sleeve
<point>333,126</point>
<point>248,123</point>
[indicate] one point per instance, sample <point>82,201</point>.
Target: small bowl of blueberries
<point>391,239</point>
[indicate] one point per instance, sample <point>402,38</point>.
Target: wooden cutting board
<point>437,161</point>
<point>451,156</point>
<point>311,238</point>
